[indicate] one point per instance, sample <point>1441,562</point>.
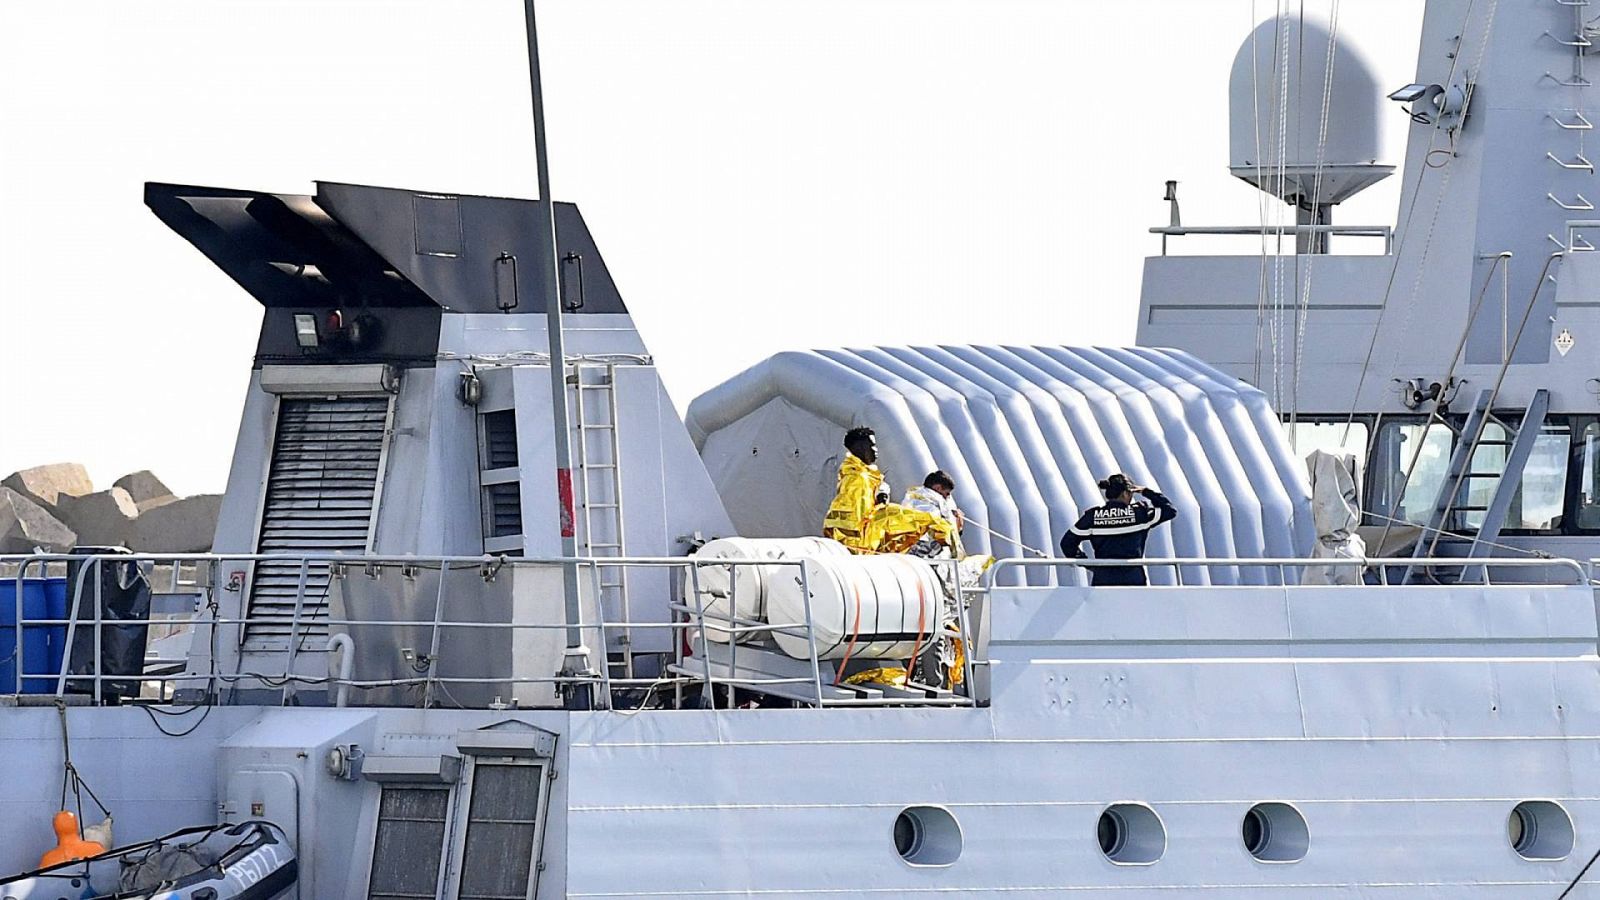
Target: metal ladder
<point>599,491</point>
<point>1572,120</point>
<point>1459,476</point>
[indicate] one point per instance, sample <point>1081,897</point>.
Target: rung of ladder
<point>606,427</point>
<point>601,505</point>
<point>608,544</point>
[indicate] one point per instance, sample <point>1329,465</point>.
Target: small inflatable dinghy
<point>249,861</point>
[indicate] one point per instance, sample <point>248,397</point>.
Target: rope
<point>1579,877</point>
<point>971,521</point>
<point>1416,193</point>
<point>1261,194</point>
<point>69,773</point>
<point>1281,177</point>
<point>1316,203</point>
<point>1534,554</point>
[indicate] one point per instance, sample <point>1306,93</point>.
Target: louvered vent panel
<point>500,439</point>
<point>502,509</point>
<point>320,490</point>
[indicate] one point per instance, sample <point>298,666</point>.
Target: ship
<point>486,615</point>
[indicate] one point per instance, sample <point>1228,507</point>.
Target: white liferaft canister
<point>741,589</point>
<point>866,607</point>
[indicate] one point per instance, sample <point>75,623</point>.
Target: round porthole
<point>1275,832</point>
<point>1539,829</point>
<point>927,836</point>
<point>1131,834</point>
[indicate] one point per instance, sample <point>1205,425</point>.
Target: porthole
<point>1539,829</point>
<point>927,836</point>
<point>1275,832</point>
<point>1131,834</point>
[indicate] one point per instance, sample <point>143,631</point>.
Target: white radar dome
<point>1276,94</point>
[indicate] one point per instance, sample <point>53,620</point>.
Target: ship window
<point>927,836</point>
<point>1588,507</point>
<point>1131,834</point>
<point>1539,829</point>
<point>410,841</point>
<point>1275,832</point>
<point>1333,437</point>
<point>502,825</point>
<point>1392,495</point>
<point>1537,505</point>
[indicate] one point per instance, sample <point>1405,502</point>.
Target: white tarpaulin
<point>1336,510</point>
<point>1025,432</point>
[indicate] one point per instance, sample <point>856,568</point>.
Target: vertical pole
<point>575,664</point>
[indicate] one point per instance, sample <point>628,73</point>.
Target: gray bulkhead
<point>437,301</point>
<point>1497,180</point>
<point>1403,724</point>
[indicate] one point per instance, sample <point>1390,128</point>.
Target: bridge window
<point>1333,437</point>
<point>1397,445</point>
<point>1588,453</point>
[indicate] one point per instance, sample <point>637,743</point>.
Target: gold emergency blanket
<point>857,521</point>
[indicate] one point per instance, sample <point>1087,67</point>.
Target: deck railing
<point>1479,567</point>
<point>686,619</point>
<point>689,664</point>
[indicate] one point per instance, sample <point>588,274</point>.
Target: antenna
<point>575,663</point>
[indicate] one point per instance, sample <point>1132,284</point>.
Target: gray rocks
<point>182,526</point>
<point>56,507</point>
<point>45,484</point>
<point>144,487</point>
<point>101,519</point>
<point>25,525</point>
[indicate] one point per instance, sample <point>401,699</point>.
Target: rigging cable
<point>1261,200</point>
<point>1405,230</point>
<point>1280,180</point>
<point>1316,203</point>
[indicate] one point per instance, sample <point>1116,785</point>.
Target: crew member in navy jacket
<point>1118,530</point>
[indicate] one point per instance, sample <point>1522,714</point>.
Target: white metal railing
<point>1371,231</point>
<point>1379,565</point>
<point>687,621</point>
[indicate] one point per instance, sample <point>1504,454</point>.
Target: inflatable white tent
<point>1025,432</point>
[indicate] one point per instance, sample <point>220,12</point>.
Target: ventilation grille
<point>410,840</point>
<point>320,492</point>
<point>503,821</point>
<point>502,509</point>
<point>500,439</point>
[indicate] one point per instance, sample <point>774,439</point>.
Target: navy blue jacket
<point>1117,530</point>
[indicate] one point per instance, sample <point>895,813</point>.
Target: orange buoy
<point>69,846</point>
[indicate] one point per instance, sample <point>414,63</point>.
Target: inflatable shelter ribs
<point>1026,432</point>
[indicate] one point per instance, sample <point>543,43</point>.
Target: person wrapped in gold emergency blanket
<point>861,516</point>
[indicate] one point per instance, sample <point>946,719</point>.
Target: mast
<point>575,663</point>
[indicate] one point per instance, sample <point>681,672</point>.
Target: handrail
<point>1381,563</point>
<point>1384,231</point>
<point>680,614</point>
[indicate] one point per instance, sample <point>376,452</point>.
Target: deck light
<point>305,331</point>
<point>1409,94</point>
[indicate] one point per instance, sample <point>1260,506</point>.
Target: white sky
<point>759,176</point>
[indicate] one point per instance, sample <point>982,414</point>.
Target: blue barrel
<point>42,645</point>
